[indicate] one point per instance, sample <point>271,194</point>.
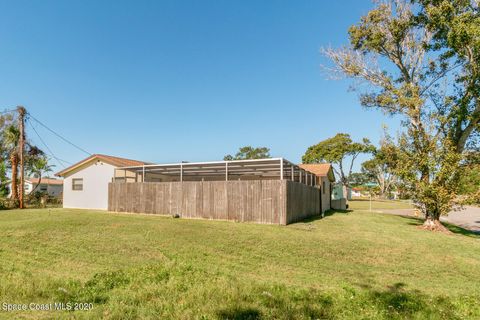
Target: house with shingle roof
<point>85,183</point>
<point>52,187</point>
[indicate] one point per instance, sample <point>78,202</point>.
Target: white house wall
<point>96,176</point>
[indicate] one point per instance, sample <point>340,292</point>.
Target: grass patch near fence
<point>379,204</point>
<point>353,265</point>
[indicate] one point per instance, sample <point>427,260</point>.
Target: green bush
<point>6,203</point>
<point>40,199</point>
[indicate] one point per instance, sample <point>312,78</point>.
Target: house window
<point>323,186</point>
<point>43,188</point>
<point>77,184</point>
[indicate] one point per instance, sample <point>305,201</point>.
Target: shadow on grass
<point>250,301</point>
<point>393,302</point>
<point>413,221</point>
<point>332,212</point>
<point>456,229</point>
<point>396,301</point>
<point>320,217</point>
<point>279,302</point>
<point>239,314</point>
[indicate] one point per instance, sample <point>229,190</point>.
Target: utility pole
<point>21,144</point>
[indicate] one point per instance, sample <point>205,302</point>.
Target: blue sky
<point>166,81</point>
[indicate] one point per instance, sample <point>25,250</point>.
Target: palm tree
<point>11,138</point>
<point>3,178</point>
<point>37,165</point>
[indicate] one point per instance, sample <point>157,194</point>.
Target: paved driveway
<point>468,218</point>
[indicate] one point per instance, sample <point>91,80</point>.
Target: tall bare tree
<point>421,61</point>
<point>380,169</point>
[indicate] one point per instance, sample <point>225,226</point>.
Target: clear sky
<point>165,81</point>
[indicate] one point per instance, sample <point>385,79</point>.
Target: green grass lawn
<point>355,265</point>
<point>364,204</point>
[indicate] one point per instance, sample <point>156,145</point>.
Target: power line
<point>60,161</point>
<point>58,135</point>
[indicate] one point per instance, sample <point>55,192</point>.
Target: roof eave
<point>74,166</point>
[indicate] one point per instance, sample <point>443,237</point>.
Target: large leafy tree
<point>249,152</point>
<point>358,179</point>
<point>3,179</point>
<point>341,151</point>
<point>421,61</point>
<point>380,168</point>
<point>470,177</point>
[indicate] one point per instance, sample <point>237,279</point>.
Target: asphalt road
<point>468,218</point>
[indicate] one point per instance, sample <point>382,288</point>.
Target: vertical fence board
<point>302,201</point>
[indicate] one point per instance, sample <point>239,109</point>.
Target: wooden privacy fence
<point>261,201</point>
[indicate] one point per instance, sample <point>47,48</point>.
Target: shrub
<point>40,199</point>
<point>6,203</point>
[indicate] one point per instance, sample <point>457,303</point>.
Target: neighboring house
<point>324,172</point>
<point>86,182</point>
<point>53,187</point>
<point>356,192</point>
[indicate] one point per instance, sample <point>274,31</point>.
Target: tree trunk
<point>432,222</point>
<point>382,192</point>
<point>14,163</point>
<point>39,181</point>
<point>381,185</point>
<point>31,193</point>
